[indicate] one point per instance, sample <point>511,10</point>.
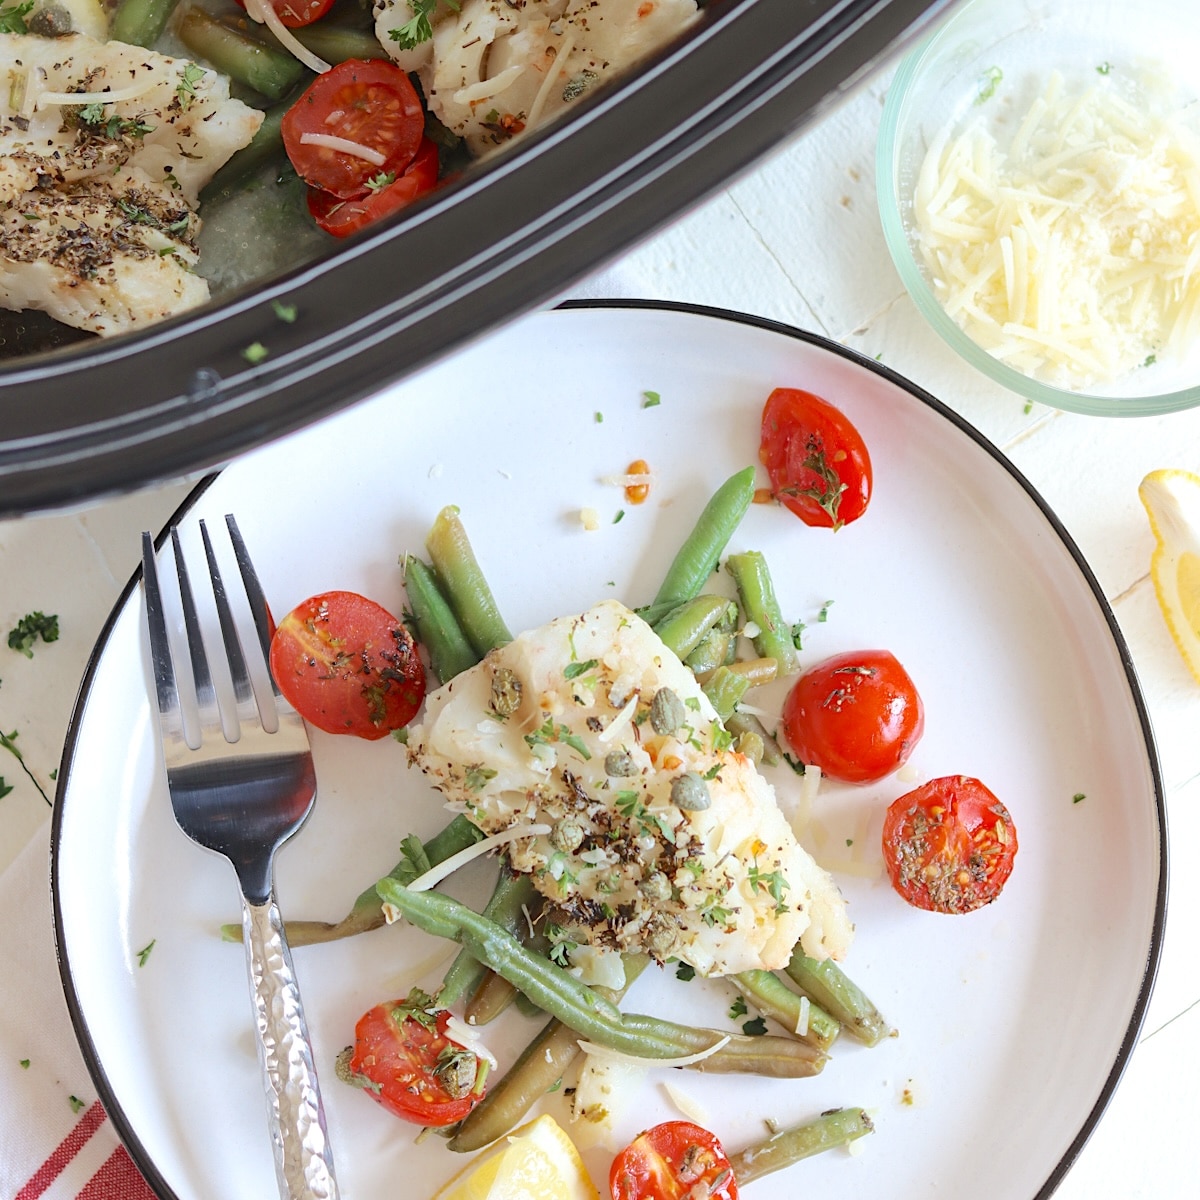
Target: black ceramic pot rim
<point>100,417</point>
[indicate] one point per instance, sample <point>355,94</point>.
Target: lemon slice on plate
<point>536,1162</point>
<point>1172,500</point>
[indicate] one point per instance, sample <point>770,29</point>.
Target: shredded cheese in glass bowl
<point>1039,187</point>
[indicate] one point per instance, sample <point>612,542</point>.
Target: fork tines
<point>166,678</point>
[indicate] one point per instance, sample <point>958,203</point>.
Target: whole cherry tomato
<point>857,716</point>
<point>949,845</point>
<point>347,665</point>
<point>673,1161</point>
<point>816,459</point>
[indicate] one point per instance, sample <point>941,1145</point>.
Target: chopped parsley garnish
<point>1151,359</point>
<point>186,90</point>
<point>651,399</point>
<point>112,127</point>
<point>738,1008</point>
<point>418,1005</point>
<point>829,486</point>
<point>632,809</point>
<point>75,1102</point>
<point>714,914</point>
<point>12,18</point>
<point>575,669</point>
<point>685,972</point>
<point>1104,68</point>
<point>29,628</point>
<point>823,615</point>
<point>25,1064</point>
<point>988,84</point>
<point>255,353</point>
<point>797,634</point>
<point>477,776</point>
<point>5,788</point>
<point>773,882</point>
<point>549,732</point>
<point>599,416</point>
<point>794,763</point>
<point>1075,799</point>
<point>722,739</point>
<point>285,312</point>
<point>712,773</point>
<point>415,861</point>
<point>138,215</point>
<point>378,182</point>
<point>755,1028</point>
<point>143,954</point>
<point>418,28</point>
<point>401,735</point>
<point>619,517</point>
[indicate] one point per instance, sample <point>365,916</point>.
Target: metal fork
<point>243,799</point>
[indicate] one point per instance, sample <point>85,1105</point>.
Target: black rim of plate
<point>180,397</point>
<point>104,1089</point>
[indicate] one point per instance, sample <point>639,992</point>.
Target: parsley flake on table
<point>1075,799</point>
<point>255,353</point>
<point>738,1008</point>
<point>75,1102</point>
<point>755,1028</point>
<point>686,972</point>
<point>651,399</point>
<point>24,1064</point>
<point>285,312</point>
<point>143,954</point>
<point>5,788</point>
<point>29,628</point>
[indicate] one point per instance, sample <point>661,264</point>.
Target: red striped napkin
<point>56,1142</point>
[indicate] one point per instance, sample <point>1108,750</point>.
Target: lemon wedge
<point>535,1162</point>
<point>1172,500</point>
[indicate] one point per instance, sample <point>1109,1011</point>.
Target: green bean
<point>758,672</point>
<point>540,1066</point>
<point>766,1054</point>
<point>270,71</point>
<point>716,649</point>
<point>367,913</point>
<point>788,1146</point>
<point>754,585</point>
<point>744,724</point>
<point>140,22</point>
<point>697,558</point>
<point>506,909</point>
<point>725,689</point>
<point>574,1003</point>
<point>773,998</point>
<point>685,626</point>
<point>827,984</point>
<point>336,43</point>
<point>463,583</point>
<point>438,629</point>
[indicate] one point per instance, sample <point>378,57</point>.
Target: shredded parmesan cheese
<point>1072,253</point>
<point>345,145</point>
<point>436,874</point>
<point>132,92</point>
<point>685,1060</point>
<point>264,13</point>
<point>617,724</point>
<point>688,1105</point>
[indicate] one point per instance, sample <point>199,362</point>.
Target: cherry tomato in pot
<point>673,1161</point>
<point>816,459</point>
<point>403,1058</point>
<point>857,716</point>
<point>371,106</point>
<point>949,845</point>
<point>341,218</point>
<point>347,665</point>
<point>295,14</point>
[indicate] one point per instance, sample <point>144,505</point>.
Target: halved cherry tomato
<point>347,665</point>
<point>856,716</point>
<point>404,1059</point>
<point>344,217</point>
<point>369,102</point>
<point>672,1161</point>
<point>295,14</point>
<point>949,845</point>
<point>817,460</point>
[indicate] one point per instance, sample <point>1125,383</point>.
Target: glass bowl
<point>987,66</point>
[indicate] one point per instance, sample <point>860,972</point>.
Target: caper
<point>667,713</point>
<point>661,936</point>
<point>690,792</point>
<point>656,886</point>
<point>50,22</point>
<point>506,692</point>
<point>458,1070</point>
<point>619,763</point>
<point>567,835</point>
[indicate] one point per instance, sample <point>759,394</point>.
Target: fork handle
<point>303,1161</point>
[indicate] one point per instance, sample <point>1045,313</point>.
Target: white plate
<point>1014,1022</point>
